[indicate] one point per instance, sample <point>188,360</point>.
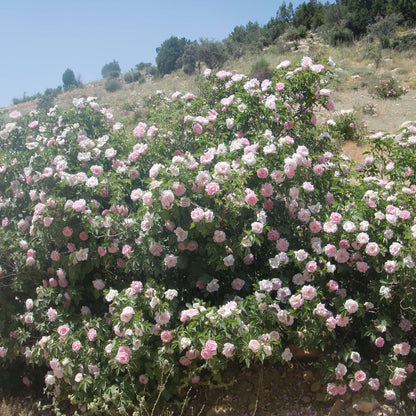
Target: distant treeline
<point>342,22</point>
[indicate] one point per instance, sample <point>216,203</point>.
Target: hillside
<point>354,75</point>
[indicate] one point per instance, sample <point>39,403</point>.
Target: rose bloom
<point>52,314</point>
<point>282,244</point>
<point>170,260</point>
<point>389,394</point>
<point>92,334</point>
<point>207,354</point>
<point>379,342</point>
<point>372,249</point>
<point>197,214</point>
<point>76,346</point>
<point>360,376</point>
<point>390,266</point>
<point>79,205</point>
<point>362,266</point>
<point>251,198</point>
<point>63,330</point>
<point>273,235</point>
<point>98,284</point>
<point>330,250</point>
<point>296,301</point>
<point>123,355</point>
<point>315,227</point>
<point>156,249</point>
<point>262,173</point>
<point>311,266</point>
<point>67,231</point>
<point>228,349</point>
<point>402,348</point>
<point>219,236</point>
<point>308,292</point>
<point>229,260</point>
<point>166,336</point>
<point>137,286</point>
<point>127,314</point>
<point>237,284</point>
<point>355,385</point>
<point>212,188</point>
<point>340,371</point>
<point>257,227</point>
<point>254,345</point>
<point>351,306</point>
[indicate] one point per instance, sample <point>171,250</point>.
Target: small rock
<point>315,386</point>
<point>365,405</point>
<point>218,411</point>
<point>336,407</point>
<point>320,397</point>
<point>306,399</point>
<point>407,124</point>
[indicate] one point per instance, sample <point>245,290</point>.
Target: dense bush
<point>168,54</point>
<point>68,79</point>
<point>111,70</point>
<point>112,85</point>
<point>389,88</point>
<point>133,76</point>
<point>346,126</point>
<point>261,70</point>
<point>223,227</point>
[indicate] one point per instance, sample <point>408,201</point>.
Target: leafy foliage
<point>111,70</point>
<point>68,79</point>
<point>168,54</point>
<point>222,227</point>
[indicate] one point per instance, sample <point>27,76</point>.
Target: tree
<point>111,70</point>
<point>309,14</point>
<point>168,54</point>
<point>69,80</point>
<point>190,58</point>
<point>212,53</point>
<point>285,13</point>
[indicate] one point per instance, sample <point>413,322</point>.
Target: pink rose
<point>170,260</point>
<point>76,346</point>
<point>228,349</point>
<point>219,236</point>
<point>197,214</point>
<point>166,336</point>
<point>127,314</point>
<point>92,334</point>
<point>63,330</point>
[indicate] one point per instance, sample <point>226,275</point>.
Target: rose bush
<point>223,227</point>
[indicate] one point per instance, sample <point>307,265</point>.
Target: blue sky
<point>40,39</point>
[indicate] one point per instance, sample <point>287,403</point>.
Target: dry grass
<point>15,407</point>
<point>355,73</point>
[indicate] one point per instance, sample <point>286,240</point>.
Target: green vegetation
<point>111,70</point>
<point>68,79</point>
<point>168,54</point>
<point>112,85</point>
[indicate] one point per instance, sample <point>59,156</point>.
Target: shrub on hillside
<point>346,126</point>
<point>389,88</point>
<point>261,70</point>
<point>112,85</point>
<point>223,227</point>
<point>133,76</point>
<point>111,70</point>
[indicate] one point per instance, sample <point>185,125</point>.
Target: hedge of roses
<point>222,228</point>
